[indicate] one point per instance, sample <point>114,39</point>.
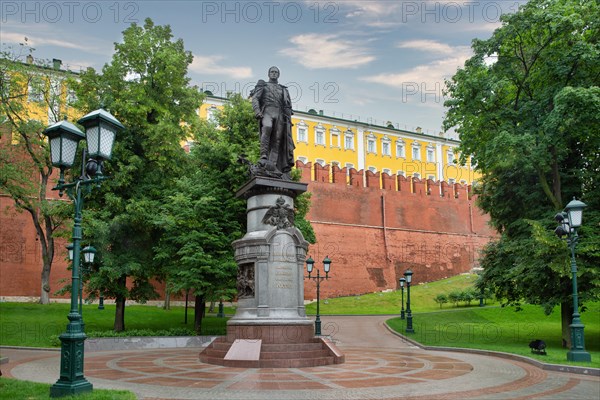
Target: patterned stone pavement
<point>378,365</point>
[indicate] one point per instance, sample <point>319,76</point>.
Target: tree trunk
<point>167,305</point>
<point>120,310</point>
<point>566,316</point>
<point>199,309</point>
<point>45,292</point>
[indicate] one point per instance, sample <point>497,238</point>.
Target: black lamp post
<point>310,263</point>
<point>402,282</point>
<point>569,221</point>
<point>101,128</point>
<point>409,322</point>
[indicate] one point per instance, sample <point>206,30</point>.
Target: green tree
<point>441,299</point>
<point>526,107</point>
<point>454,297</point>
<point>147,88</point>
<point>31,96</point>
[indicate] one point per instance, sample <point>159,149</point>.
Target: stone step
<point>211,352</point>
<point>272,363</point>
<point>265,355</point>
<point>292,347</point>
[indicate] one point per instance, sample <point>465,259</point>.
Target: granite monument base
<point>270,328</point>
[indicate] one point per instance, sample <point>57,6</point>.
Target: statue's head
<point>274,73</point>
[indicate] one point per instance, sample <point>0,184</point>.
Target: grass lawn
<point>35,325</point>
<point>421,297</point>
<point>503,329</point>
<point>15,389</point>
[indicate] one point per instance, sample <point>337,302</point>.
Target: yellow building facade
<point>349,144</point>
<point>38,92</point>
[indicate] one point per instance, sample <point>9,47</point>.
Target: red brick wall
<point>371,235</point>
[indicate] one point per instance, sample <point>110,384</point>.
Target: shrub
<point>441,299</point>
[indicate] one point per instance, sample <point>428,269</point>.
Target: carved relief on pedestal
<point>245,281</point>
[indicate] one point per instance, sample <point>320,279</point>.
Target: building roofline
<point>365,124</point>
<point>45,67</point>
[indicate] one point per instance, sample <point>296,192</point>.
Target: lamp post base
<point>72,380</point>
<point>61,389</point>
<point>577,352</point>
<point>402,315</point>
<point>579,356</point>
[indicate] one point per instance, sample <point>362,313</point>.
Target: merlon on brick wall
<point>376,180</point>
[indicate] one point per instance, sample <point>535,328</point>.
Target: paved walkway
<point>379,365</point>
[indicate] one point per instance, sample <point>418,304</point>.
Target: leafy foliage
<point>529,120</point>
<point>147,88</point>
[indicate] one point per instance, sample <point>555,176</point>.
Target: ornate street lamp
<point>101,128</point>
<point>402,282</point>
<point>569,221</point>
<point>310,263</point>
<point>409,322</point>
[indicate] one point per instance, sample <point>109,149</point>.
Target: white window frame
<point>33,94</point>
<point>386,171</point>
<point>349,140</point>
<point>430,154</point>
<point>401,173</point>
<point>319,135</point>
<point>372,169</point>
<point>5,85</point>
<point>400,149</point>
<point>210,114</point>
<point>432,177</point>
<point>302,132</point>
<point>371,144</point>
<point>321,162</point>
<point>385,146</point>
<point>417,175</point>
<point>450,156</point>
<point>303,159</point>
<point>416,149</point>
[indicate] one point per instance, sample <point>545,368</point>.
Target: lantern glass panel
<point>69,150</point>
<point>576,217</point>
<point>566,224</point>
<point>327,265</point>
<point>93,140</point>
<point>55,151</point>
<point>89,256</point>
<point>309,265</point>
<point>107,139</point>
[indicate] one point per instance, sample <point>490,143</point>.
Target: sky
<point>372,61</point>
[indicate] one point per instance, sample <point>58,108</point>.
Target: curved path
<point>379,365</point>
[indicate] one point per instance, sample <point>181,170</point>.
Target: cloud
<point>211,65</point>
<point>36,41</point>
<point>427,46</point>
<point>425,77</point>
<point>317,51</point>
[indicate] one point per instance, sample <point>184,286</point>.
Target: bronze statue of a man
<point>273,108</point>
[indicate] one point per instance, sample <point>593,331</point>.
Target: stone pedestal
<point>270,282</point>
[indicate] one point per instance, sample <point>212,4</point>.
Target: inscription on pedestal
<point>284,277</point>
